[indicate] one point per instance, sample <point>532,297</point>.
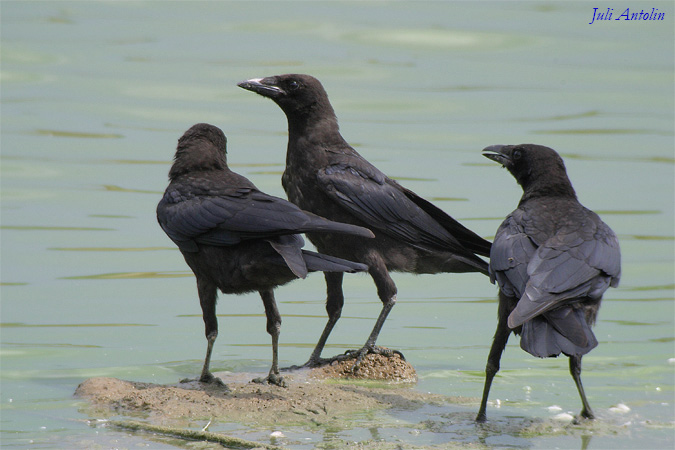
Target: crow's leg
<point>498,344</point>
<point>575,371</point>
<point>386,291</point>
<point>335,300</point>
<point>273,328</point>
<point>207,298</point>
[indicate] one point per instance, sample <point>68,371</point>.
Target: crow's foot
<point>358,355</point>
<point>272,378</point>
<point>207,378</point>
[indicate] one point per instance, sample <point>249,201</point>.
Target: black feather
<point>553,260</point>
<point>234,237</point>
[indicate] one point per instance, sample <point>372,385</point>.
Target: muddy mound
<point>374,367</point>
<point>309,394</point>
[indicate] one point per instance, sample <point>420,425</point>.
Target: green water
<point>95,94</point>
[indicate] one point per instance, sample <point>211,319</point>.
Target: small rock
<point>564,417</point>
<point>620,409</point>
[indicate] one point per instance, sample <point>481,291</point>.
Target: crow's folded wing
<point>578,261</point>
<point>227,219</point>
<point>510,255</point>
<point>385,206</point>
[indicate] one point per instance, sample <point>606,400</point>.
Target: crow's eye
<point>293,85</point>
<point>517,154</point>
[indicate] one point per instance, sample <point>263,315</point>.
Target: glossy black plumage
<point>235,238</point>
<point>552,259</point>
<point>325,175</point>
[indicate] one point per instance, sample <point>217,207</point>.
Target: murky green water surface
<point>95,94</point>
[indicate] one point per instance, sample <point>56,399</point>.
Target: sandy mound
<point>383,415</point>
<point>308,396</point>
<point>374,367</point>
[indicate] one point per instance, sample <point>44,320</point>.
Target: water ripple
<point>76,134</point>
<point>129,275</point>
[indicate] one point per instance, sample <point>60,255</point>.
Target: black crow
<point>552,259</point>
<point>236,238</point>
<point>325,175</point>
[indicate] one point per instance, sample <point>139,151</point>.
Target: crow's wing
<point>290,249</point>
<point>470,240</point>
<point>226,219</point>
<point>385,206</point>
<point>582,259</point>
<point>511,252</point>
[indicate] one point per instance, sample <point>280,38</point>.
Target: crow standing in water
<point>553,260</point>
<point>236,238</point>
<point>327,176</point>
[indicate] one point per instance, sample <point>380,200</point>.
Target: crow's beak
<point>263,86</point>
<point>498,154</point>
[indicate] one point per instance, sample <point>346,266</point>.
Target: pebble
<point>620,408</point>
<point>566,417</point>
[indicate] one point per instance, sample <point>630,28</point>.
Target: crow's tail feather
<point>318,262</point>
<point>563,330</point>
